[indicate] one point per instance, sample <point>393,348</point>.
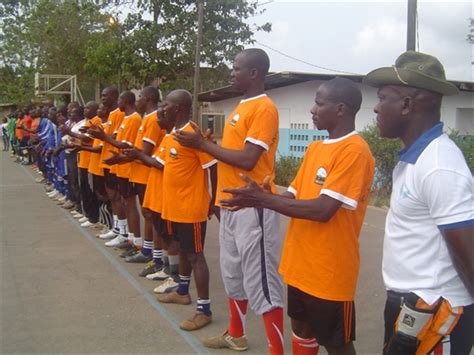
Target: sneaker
<point>57,197</point>
<point>48,188</point>
<point>53,194</point>
<point>139,258</point>
<point>78,216</point>
<point>226,341</point>
<point>200,320</point>
<point>68,205</point>
<point>174,297</point>
<point>150,268</point>
<point>129,251</point>
<point>39,179</point>
<point>83,219</point>
<point>87,224</point>
<point>124,245</point>
<point>110,234</point>
<point>167,286</point>
<point>116,241</point>
<point>158,275</point>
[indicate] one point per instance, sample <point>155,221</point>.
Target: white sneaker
<point>62,199</point>
<point>39,179</point>
<point>116,241</point>
<point>52,194</point>
<point>104,230</point>
<point>108,235</point>
<point>167,286</point>
<point>87,224</point>
<point>83,219</point>
<point>74,212</point>
<point>159,275</point>
<point>78,216</point>
<point>57,197</point>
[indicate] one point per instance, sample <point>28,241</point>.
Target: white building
<point>294,93</point>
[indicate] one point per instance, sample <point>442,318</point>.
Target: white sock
<point>138,242</point>
<point>122,226</point>
<point>131,237</point>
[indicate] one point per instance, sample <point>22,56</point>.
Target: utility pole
<point>411,25</point>
<point>200,7</point>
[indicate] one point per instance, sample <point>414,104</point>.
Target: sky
<point>357,37</point>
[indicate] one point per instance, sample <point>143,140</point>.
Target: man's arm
<point>320,209</point>
<point>136,154</point>
<point>98,132</point>
<point>460,242</point>
<point>245,159</point>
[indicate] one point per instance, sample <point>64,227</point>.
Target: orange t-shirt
<point>254,120</point>
<point>110,127</point>
<point>26,123</point>
<point>85,156</point>
<point>18,131</point>
<point>95,162</point>
<point>127,133</point>
<point>34,126</point>
<point>185,182</point>
<point>153,199</point>
<point>322,258</point>
<point>149,132</point>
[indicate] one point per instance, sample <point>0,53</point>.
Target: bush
<point>385,153</point>
<point>286,169</point>
<point>466,144</point>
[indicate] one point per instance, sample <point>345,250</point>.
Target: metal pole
<point>411,25</point>
<point>197,61</point>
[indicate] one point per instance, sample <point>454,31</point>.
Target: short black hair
<point>113,91</point>
<point>152,92</point>
<point>129,97</point>
<point>257,58</point>
<point>344,90</point>
<point>79,111</point>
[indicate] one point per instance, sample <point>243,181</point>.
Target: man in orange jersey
<point>326,201</point>
<point>148,138</point>
<point>249,239</point>
<point>109,99</point>
<point>186,203</point>
<point>126,135</point>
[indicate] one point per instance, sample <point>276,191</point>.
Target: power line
<point>305,62</point>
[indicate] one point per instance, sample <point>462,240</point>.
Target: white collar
<point>335,140</point>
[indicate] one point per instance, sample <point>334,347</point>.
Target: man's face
<point>52,114</point>
<point>121,104</point>
<point>107,98</point>
<point>102,111</point>
<point>324,111</point>
<point>167,114</point>
<point>241,75</point>
<point>70,108</point>
<point>390,120</point>
<point>141,102</point>
<point>90,111</point>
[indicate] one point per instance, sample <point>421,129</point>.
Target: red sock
<point>237,311</point>
<point>274,327</point>
<point>302,346</point>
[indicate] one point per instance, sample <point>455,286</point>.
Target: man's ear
<point>407,105</point>
<point>254,73</point>
<point>341,109</point>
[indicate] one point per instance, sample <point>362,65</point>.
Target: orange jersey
<point>34,126</point>
<point>110,127</point>
<point>254,120</point>
<point>153,199</point>
<point>151,133</point>
<point>127,133</point>
<point>85,156</point>
<point>18,130</point>
<point>26,123</point>
<point>94,161</point>
<point>322,258</point>
<point>185,182</point>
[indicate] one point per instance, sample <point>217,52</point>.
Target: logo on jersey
<point>234,120</point>
<point>173,153</point>
<point>321,175</point>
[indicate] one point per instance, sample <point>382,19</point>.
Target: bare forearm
<point>237,158</point>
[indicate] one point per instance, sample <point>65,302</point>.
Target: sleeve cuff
<point>127,142</point>
<point>462,224</point>
<point>208,165</point>
<point>347,202</point>
<point>148,140</point>
<point>257,142</point>
<point>161,161</point>
<point>292,190</point>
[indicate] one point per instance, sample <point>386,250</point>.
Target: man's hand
<point>123,145</point>
<point>249,195</point>
<point>132,152</point>
<point>96,132</point>
<point>65,130</point>
<point>214,210</point>
<point>116,158</point>
<point>190,139</point>
<point>75,146</point>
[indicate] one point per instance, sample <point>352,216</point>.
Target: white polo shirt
<point>432,191</point>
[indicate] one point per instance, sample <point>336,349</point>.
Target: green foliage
<point>385,153</point>
<point>466,144</point>
<point>286,169</point>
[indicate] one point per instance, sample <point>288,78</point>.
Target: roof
<point>286,78</point>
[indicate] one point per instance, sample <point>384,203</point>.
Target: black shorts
<point>191,236</point>
<point>110,180</point>
<point>332,322</point>
<point>125,187</point>
<point>163,228</point>
<point>140,191</point>
<point>461,338</point>
<point>98,185</point>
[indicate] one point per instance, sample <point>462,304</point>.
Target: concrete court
<point>63,292</point>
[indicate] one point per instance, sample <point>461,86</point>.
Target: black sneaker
<point>150,268</point>
<point>131,250</point>
<point>139,258</point>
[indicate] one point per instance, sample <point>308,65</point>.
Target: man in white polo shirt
<point>429,233</point>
